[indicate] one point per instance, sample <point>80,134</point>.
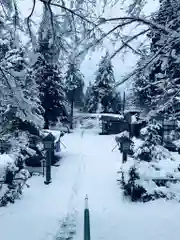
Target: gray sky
<point>122,64</point>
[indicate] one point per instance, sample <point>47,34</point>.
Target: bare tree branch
<point>129,40</point>
<point>131,48</point>
<point>29,19</point>
<point>7,81</point>
<point>3,8</point>
<point>51,19</point>
<point>10,88</point>
<point>69,10</point>
<point>126,78</point>
<point>93,44</point>
<point>143,20</point>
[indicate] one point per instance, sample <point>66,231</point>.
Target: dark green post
<point>124,102</point>
<point>49,147</point>
<point>124,157</point>
<point>126,144</point>
<point>86,221</point>
<point>43,167</point>
<point>48,167</point>
<point>72,108</point>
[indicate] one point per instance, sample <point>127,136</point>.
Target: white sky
<point>122,65</point>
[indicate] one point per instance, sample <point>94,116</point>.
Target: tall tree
<point>102,89</point>
<point>89,100</point>
<point>156,86</point>
<point>51,88</point>
<point>47,73</point>
<point>74,84</point>
<point>74,87</point>
<point>20,112</point>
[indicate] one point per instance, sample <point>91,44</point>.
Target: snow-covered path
<point>55,212</point>
<point>112,217</point>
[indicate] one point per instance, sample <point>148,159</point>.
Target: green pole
<point>48,167</point>
<point>86,221</point>
<point>124,157</point>
<point>124,102</point>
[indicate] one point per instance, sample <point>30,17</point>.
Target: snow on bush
<point>151,133</point>
<point>152,172</point>
<point>5,159</point>
<point>12,179</point>
<point>12,186</point>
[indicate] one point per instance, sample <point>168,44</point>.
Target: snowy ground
<point>55,212</point>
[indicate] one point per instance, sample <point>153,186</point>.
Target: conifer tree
<point>157,82</point>
<point>74,84</point>
<point>51,90</point>
<point>102,91</point>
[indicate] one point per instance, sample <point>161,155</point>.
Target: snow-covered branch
<point>125,44</point>
<point>62,6</point>
<point>142,20</point>
<point>29,19</point>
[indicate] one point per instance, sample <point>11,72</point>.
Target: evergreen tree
<point>102,91</point>
<point>20,113</point>
<point>157,83</point>
<point>103,85</point>
<point>47,72</point>
<point>89,100</point>
<point>51,88</point>
<point>18,105</point>
<point>74,87</point>
<point>74,84</point>
<point>117,103</point>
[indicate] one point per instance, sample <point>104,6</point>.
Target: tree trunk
<point>124,102</point>
<point>72,108</point>
<point>46,124</point>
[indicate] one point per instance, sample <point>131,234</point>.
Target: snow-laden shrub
<point>147,180</point>
<point>152,172</point>
<point>151,133</point>
<point>12,184</point>
<point>23,145</point>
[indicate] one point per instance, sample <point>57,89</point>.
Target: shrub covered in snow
<point>152,133</point>
<point>13,180</point>
<point>152,172</point>
<point>148,179</point>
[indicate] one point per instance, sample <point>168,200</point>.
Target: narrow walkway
<point>113,218</point>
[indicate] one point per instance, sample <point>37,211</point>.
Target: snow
<point>5,159</point>
<point>55,133</point>
<point>122,134</point>
<point>93,115</point>
<point>133,119</point>
<point>88,167</point>
<point>137,142</point>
